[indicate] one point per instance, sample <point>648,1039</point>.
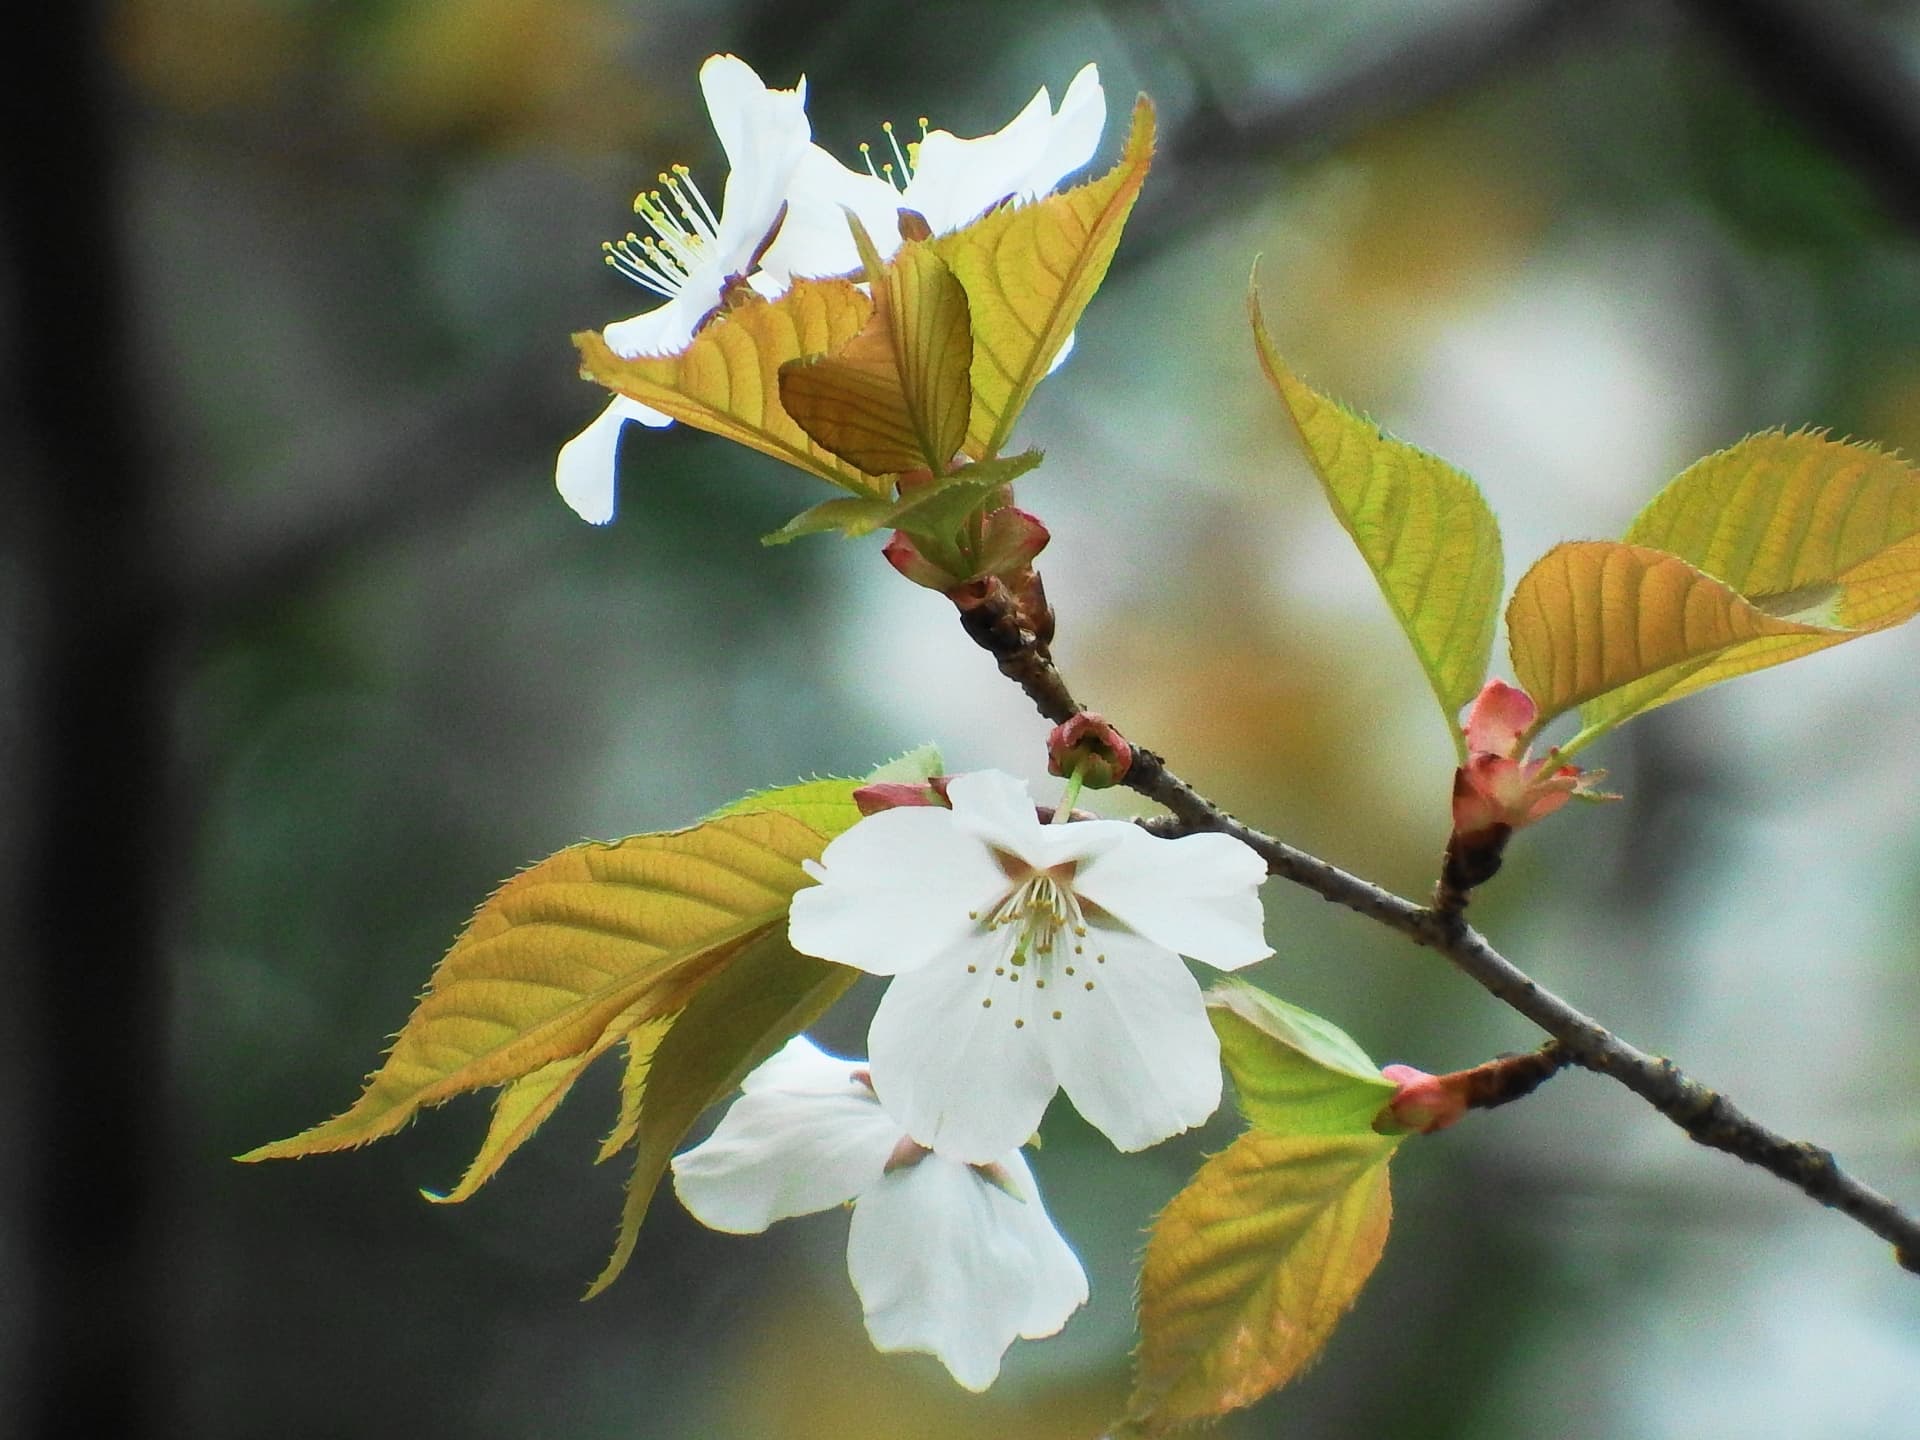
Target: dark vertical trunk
<point>85,842</point>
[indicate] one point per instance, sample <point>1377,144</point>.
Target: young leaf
<point>1029,271</point>
<point>895,397</point>
<point>1294,1072</point>
<point>936,507</point>
<point>1806,528</point>
<point>523,1105</point>
<point>825,805</point>
<point>767,995</point>
<point>727,381</point>
<point>590,936</point>
<point>1422,527</point>
<point>1616,628</point>
<point>641,1044</point>
<point>1251,1267</point>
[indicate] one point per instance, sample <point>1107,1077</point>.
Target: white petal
<point>802,1067</point>
<point>805,1137</point>
<point>667,329</point>
<point>1074,134</point>
<point>954,180</point>
<point>896,890</point>
<point>1060,355</point>
<point>1133,1048</point>
<point>945,1262</point>
<point>814,238</point>
<point>960,1074</point>
<point>587,465</point>
<point>764,132</point>
<point>1198,894</point>
<point>1058,1283</point>
<point>999,809</point>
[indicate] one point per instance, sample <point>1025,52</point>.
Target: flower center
<point>897,172</point>
<point>1045,929</point>
<point>684,230</point>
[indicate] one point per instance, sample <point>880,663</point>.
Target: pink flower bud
<point>1423,1104</point>
<point>1499,716</point>
<point>1089,744</point>
<point>1501,785</point>
<point>892,794</point>
<point>905,556</point>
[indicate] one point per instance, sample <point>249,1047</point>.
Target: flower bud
<point>1424,1103</point>
<point>1090,745</point>
<point>893,794</point>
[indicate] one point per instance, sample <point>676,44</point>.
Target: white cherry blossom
<point>1028,958</point>
<point>692,254</point>
<point>950,1258</point>
<point>944,179</point>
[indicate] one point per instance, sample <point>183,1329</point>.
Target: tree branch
<point>1704,1114</point>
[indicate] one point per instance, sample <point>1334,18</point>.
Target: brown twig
<point>1704,1114</point>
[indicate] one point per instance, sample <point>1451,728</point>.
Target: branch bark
<point>1703,1113</point>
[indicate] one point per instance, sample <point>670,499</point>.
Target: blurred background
<point>300,654</point>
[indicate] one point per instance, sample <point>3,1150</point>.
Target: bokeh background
<point>300,654</point>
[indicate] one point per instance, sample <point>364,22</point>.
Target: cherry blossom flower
<point>692,256</point>
<point>947,181</point>
<point>1029,958</point>
<point>950,1258</point>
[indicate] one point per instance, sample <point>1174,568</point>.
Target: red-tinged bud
<point>1499,716</point>
<point>892,795</point>
<point>1422,1104</point>
<point>1089,745</point>
<point>1010,539</point>
<point>1501,788</point>
<point>906,557</point>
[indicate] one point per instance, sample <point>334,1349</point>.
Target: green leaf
<point>1295,1073</point>
<point>935,508</point>
<point>727,382</point>
<point>641,1043</point>
<point>1029,271</point>
<point>1423,528</point>
<point>1805,528</point>
<point>827,805</point>
<point>1616,629</point>
<point>1251,1267</point>
<point>896,396</point>
<point>523,1105</point>
<point>591,938</point>
<point>920,763</point>
<point>749,1010</point>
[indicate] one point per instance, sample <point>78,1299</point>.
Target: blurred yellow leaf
<point>1422,527</point>
<point>591,939</point>
<point>1250,1268</point>
<point>727,382</point>
<point>1029,271</point>
<point>896,397</point>
<point>1616,628</point>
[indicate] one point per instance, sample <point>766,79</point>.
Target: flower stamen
<point>897,172</point>
<point>663,261</point>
